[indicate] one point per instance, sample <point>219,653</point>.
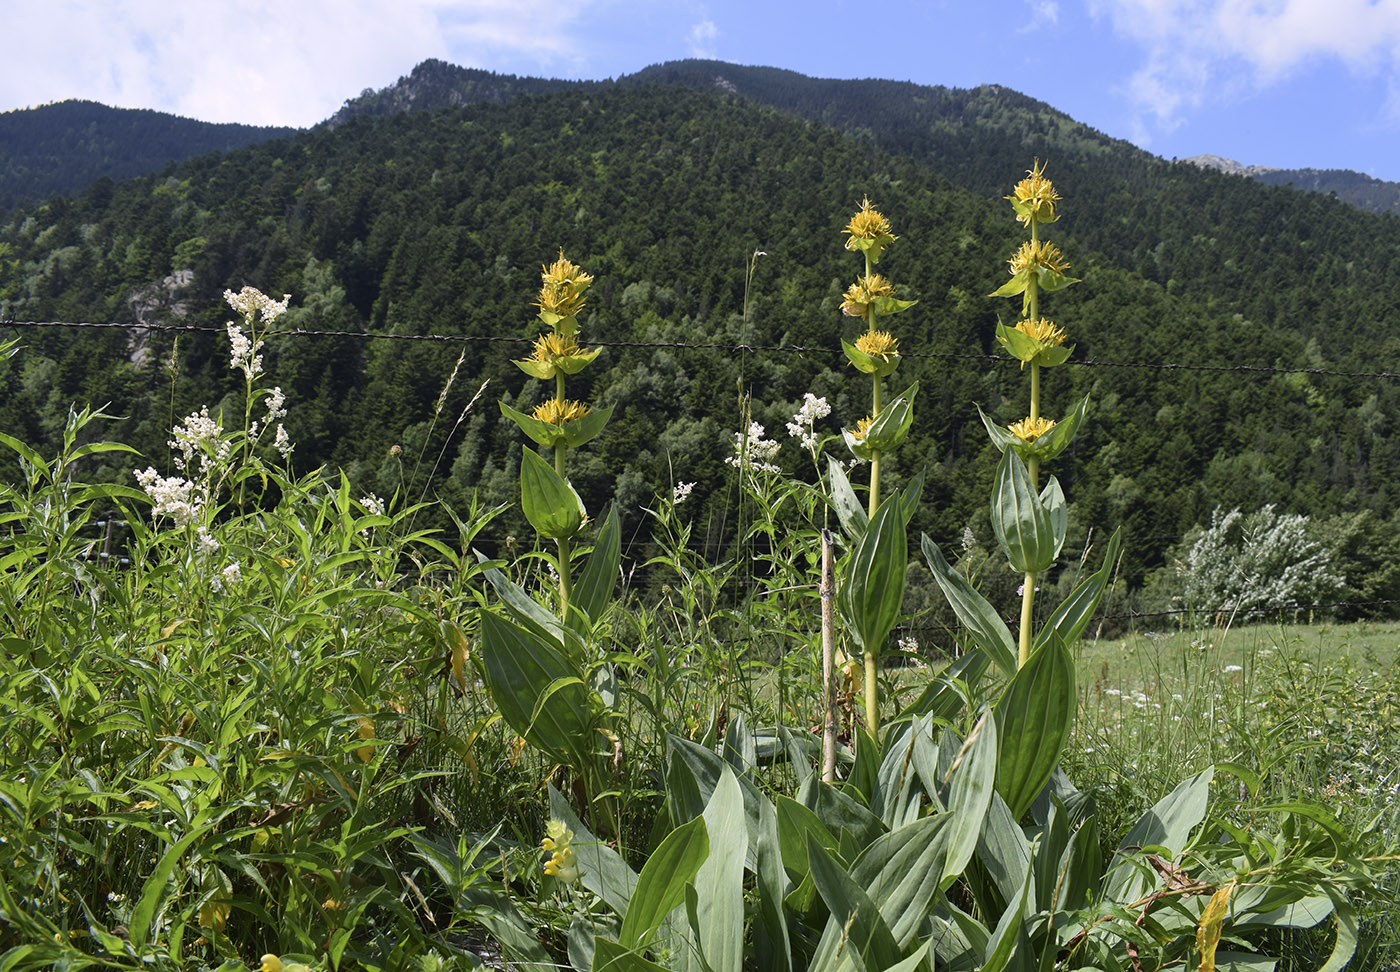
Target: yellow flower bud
<point>864,292</point>
<point>270,963</point>
<point>868,230</point>
<point>1034,197</point>
<point>562,292</point>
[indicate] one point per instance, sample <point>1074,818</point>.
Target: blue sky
<point>1287,83</point>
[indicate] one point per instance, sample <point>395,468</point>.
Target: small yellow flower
<point>1046,332</point>
<point>562,292</point>
<point>878,344</point>
<point>1034,197</point>
<point>270,963</point>
<point>862,429</point>
<point>561,862</point>
<point>560,413</point>
<point>1034,254</point>
<point>1028,429</point>
<point>864,292</point>
<point>868,227</point>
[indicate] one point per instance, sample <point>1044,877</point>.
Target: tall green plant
<point>550,502</point>
<point>875,353</point>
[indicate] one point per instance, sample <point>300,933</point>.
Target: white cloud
<point>702,39</point>
<point>1197,51</point>
<point>285,62</point>
<point>1044,13</point>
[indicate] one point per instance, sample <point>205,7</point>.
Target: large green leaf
<point>902,872</point>
<point>855,920</point>
<point>537,691</point>
<point>609,956</point>
<point>662,883</point>
<point>549,501</point>
<point>973,778</point>
<point>890,427</point>
<point>772,946</point>
<point>1069,619</point>
<point>873,588</point>
<point>842,815</point>
<point>1022,524</point>
<point>1034,716</point>
<point>975,612</point>
<point>719,884</point>
<point>849,510</point>
<point>593,589</point>
<point>1168,824</point>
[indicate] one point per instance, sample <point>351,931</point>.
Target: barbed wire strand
<point>796,349</point>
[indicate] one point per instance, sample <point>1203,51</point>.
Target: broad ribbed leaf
<point>550,503</point>
<point>719,884</point>
<point>976,613</point>
<point>1034,716</point>
<point>891,426</point>
<point>1168,824</point>
<point>1020,520</point>
<point>902,872</point>
<point>593,589</point>
<point>536,690</point>
<point>874,583</point>
<point>855,919</point>
<point>609,956</point>
<point>662,883</point>
<point>973,773</point>
<point>849,510</point>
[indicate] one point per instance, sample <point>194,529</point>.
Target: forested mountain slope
<point>437,223</point>
<point>64,147</point>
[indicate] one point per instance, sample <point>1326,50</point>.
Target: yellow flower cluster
<point>862,428</point>
<point>562,292</point>
<point>549,348</point>
<point>868,227</point>
<point>559,841</point>
<point>1034,197</point>
<point>1030,429</point>
<point>864,292</point>
<point>559,412</point>
<point>1042,330</point>
<point>1033,254</point>
<point>878,344</point>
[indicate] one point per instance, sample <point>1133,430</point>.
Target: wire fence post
<point>828,595</point>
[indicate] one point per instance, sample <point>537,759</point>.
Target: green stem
<point>872,695</point>
<point>565,579</point>
<point>1023,652</point>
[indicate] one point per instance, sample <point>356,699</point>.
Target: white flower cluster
<point>199,435</point>
<point>227,579</point>
<point>373,505</point>
<point>800,428</point>
<point>251,302</point>
<point>680,492</point>
<point>969,539</point>
<point>283,442</point>
<point>243,354</point>
<point>175,497</point>
<point>753,451</point>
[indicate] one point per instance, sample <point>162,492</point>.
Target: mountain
<point>1204,297</point>
<point>1362,191</point>
<point>64,147</point>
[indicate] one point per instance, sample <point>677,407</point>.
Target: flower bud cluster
<point>562,863</point>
